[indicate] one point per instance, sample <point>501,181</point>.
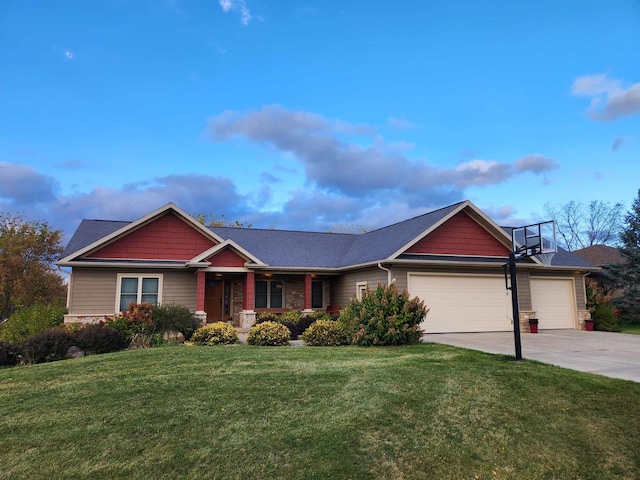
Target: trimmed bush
<point>308,320</point>
<point>29,321</point>
<point>99,339</point>
<point>292,316</point>
<point>175,318</point>
<point>605,319</point>
<point>215,334</point>
<point>384,317</point>
<point>9,354</point>
<point>266,317</point>
<point>47,346</point>
<point>272,334</point>
<point>326,333</point>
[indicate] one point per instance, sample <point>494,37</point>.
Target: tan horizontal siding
<point>93,290</point>
<point>343,289</point>
<point>179,288</point>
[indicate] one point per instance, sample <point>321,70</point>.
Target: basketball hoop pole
<point>514,305</point>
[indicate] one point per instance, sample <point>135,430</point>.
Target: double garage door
<point>480,303</point>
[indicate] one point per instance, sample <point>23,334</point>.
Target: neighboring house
<point>601,256</point>
<point>452,258</point>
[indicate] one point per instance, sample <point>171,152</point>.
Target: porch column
<point>248,315</point>
<point>307,292</point>
<point>200,282</point>
<point>248,291</point>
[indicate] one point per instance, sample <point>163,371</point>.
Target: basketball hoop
<point>527,241</point>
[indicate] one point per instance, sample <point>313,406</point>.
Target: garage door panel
<point>553,300</point>
<point>463,303</point>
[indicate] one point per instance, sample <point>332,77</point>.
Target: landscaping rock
<point>173,337</point>
<point>74,352</point>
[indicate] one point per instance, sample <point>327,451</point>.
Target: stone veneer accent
<point>524,320</point>
<point>86,319</point>
<point>582,316</point>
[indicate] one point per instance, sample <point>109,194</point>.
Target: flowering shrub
<point>215,334</point>
<point>384,317</point>
<point>326,333</point>
<point>269,334</point>
<point>136,322</point>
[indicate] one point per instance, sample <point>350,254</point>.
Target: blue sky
<point>310,114</point>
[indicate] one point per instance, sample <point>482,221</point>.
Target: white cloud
<point>68,54</point>
<point>609,100</point>
<point>239,6</point>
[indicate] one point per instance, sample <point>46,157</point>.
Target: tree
<point>348,228</point>
<point>212,220</point>
<point>27,275</point>
<point>627,275</point>
<point>580,225</point>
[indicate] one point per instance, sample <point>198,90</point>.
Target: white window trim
<point>269,280</point>
<point>139,276</point>
<point>360,288</point>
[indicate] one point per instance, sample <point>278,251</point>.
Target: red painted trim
<point>307,291</point>
<point>460,235</point>
<point>165,238</point>
<point>200,291</point>
<point>249,291</point>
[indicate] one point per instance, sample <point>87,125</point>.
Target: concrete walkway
<point>615,355</point>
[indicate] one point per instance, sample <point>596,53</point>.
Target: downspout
<point>389,280</point>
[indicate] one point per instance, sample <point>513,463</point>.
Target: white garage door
<point>554,302</point>
<point>463,303</point>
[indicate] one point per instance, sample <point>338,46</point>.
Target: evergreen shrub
<point>326,333</point>
<point>176,318</point>
<point>269,334</point>
<point>9,354</point>
<point>47,346</point>
<point>100,339</point>
<point>215,334</point>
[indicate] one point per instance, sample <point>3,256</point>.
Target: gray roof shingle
<point>291,249</point>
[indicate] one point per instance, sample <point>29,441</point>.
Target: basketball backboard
<point>534,239</point>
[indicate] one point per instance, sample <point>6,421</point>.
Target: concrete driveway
<point>614,355</point>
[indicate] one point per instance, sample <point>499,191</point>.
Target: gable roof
<point>289,249</point>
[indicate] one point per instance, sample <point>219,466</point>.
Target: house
<point>452,258</point>
<point>602,256</point>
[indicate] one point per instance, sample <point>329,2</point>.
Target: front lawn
<point>628,327</point>
<point>420,412</point>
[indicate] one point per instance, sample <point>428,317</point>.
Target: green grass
<point>420,412</point>
<point>628,327</point>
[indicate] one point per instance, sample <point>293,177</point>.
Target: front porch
<point>236,297</point>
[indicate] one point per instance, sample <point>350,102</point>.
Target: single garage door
<point>463,303</point>
<point>553,300</point>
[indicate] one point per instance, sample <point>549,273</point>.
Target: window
<point>138,289</point>
<point>361,287</point>
<point>316,294</point>
<point>269,294</point>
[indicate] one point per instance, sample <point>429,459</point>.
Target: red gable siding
<point>227,258</point>
<point>460,235</point>
<point>166,238</point>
